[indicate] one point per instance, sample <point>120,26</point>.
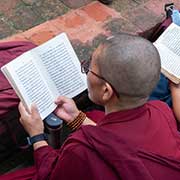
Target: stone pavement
<point>86,22</point>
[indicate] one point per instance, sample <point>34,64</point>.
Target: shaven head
<point>131,64</point>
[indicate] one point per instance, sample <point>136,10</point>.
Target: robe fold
<point>141,143</point>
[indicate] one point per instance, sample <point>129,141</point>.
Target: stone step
<point>87,22</point>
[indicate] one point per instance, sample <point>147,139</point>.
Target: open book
<point>45,72</point>
<point>168,45</point>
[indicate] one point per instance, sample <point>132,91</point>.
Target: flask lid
<point>53,121</point>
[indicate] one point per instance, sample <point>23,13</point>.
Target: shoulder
<point>159,105</point>
<point>160,108</point>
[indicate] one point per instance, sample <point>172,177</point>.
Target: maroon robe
<point>141,143</point>
<point>9,51</point>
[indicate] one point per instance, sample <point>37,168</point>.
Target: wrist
<point>88,121</point>
<point>39,144</point>
<point>74,116</point>
<point>37,138</point>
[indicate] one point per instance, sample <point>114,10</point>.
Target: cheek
<point>93,92</point>
<point>90,87</point>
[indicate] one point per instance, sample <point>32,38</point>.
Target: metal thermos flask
<point>53,128</point>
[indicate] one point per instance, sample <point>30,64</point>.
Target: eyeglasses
<point>85,69</point>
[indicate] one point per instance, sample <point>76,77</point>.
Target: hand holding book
<point>66,109</point>
<point>31,121</point>
<point>168,46</point>
<point>42,74</point>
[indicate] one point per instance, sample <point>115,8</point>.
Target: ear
<point>107,92</point>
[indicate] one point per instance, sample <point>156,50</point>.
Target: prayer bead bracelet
<point>76,123</point>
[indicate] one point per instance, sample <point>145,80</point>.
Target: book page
<point>30,84</point>
<point>169,61</point>
<point>168,46</point>
<point>62,66</point>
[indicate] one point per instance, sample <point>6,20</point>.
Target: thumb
<point>34,111</point>
<point>22,110</point>
<point>61,99</point>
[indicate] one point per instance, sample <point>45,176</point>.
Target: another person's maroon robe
<point>142,143</point>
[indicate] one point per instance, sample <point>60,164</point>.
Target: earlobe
<point>107,92</point>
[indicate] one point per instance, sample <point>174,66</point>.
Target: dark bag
<point>160,29</point>
<point>10,129</point>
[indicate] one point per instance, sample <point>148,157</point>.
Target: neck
<point>121,105</point>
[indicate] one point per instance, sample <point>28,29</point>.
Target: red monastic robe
<point>141,143</point>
